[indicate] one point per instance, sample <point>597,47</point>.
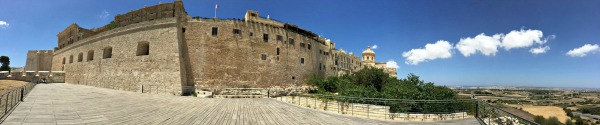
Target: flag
<point>216,6</point>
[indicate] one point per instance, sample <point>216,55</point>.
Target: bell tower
<point>368,57</point>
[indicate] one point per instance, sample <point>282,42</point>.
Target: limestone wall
<point>38,60</point>
<point>124,70</point>
<point>234,60</point>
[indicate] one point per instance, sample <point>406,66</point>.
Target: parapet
<point>252,16</point>
<point>159,11</point>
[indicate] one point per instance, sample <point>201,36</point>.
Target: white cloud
<point>374,47</point>
<point>522,38</point>
<point>487,45</point>
<point>441,49</point>
<point>391,64</point>
<point>4,24</point>
<point>539,50</point>
<point>103,15</point>
<point>584,50</point>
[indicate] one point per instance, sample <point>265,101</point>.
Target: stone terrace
<point>61,103</point>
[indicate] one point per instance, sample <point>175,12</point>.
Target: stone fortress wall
<point>111,59</point>
<point>254,54</point>
<point>162,46</point>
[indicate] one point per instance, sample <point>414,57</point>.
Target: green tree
<point>539,119</point>
<point>5,63</point>
<point>579,121</point>
<point>570,122</point>
<point>552,121</point>
<point>371,76</point>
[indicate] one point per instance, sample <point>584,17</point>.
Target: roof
<point>368,51</point>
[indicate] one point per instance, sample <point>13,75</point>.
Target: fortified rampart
<point>162,46</point>
<point>112,57</point>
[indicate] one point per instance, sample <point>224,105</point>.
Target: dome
<point>368,51</point>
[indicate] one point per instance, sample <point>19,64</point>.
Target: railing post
<point>6,104</point>
<point>325,108</point>
<point>315,98</point>
<point>22,94</point>
<point>368,110</point>
<point>476,108</point>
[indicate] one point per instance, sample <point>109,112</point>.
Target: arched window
<point>80,57</point>
<point>90,55</point>
<point>143,48</point>
<point>107,52</point>
<point>71,59</point>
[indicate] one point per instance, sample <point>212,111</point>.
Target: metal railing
<point>408,110</point>
<point>386,109</point>
<point>488,114</point>
<point>11,98</point>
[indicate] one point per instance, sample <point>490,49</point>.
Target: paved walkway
<point>61,103</point>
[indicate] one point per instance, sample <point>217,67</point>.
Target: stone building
<point>368,57</point>
<point>38,68</point>
<point>162,46</point>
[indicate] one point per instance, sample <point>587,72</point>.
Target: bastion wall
<point>233,59</point>
<point>86,61</point>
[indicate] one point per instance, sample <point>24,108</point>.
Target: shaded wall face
<point>39,60</point>
<point>228,59</point>
<point>125,69</point>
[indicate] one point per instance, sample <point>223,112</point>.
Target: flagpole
<point>215,12</point>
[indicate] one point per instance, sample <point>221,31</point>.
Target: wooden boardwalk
<point>76,104</point>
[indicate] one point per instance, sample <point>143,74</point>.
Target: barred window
<point>279,38</point>
<point>263,56</point>
<point>215,30</point>
<point>266,37</point>
<point>237,31</point>
<point>291,41</point>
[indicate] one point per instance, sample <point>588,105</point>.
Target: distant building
<point>368,57</point>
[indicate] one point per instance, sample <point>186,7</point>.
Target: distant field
<point>6,85</point>
<point>546,111</point>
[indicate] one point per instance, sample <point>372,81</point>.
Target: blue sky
<point>402,29</point>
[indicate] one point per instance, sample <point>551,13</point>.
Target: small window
<point>80,57</point>
<point>302,60</point>
<point>215,30</point>
<point>293,77</point>
<point>183,30</point>
<point>107,53</point>
<point>71,59</point>
<point>279,38</point>
<point>90,56</point>
<point>253,15</point>
<point>266,37</point>
<point>277,51</point>
<point>302,45</point>
<point>251,34</point>
<point>263,56</point>
<point>143,48</point>
<point>308,46</point>
<point>291,41</point>
<point>237,31</point>
<point>64,60</point>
